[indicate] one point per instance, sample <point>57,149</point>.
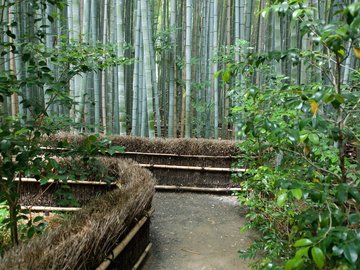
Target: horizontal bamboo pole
<point>197,189</point>
<point>157,187</point>
<point>152,154</point>
<point>178,155</point>
<point>191,168</point>
<point>50,208</point>
<point>156,166</point>
<point>119,248</point>
<point>142,257</point>
<point>71,182</point>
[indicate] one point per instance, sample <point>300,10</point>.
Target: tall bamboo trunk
<point>147,67</point>
<point>120,68</point>
<point>172,103</point>
<point>188,69</point>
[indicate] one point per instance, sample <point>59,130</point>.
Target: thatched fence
<point>174,162</point>
<point>89,236</point>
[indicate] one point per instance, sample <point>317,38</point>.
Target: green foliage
<point>21,136</point>
<point>302,184</point>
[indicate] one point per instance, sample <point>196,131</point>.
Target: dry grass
<point>85,239</point>
<point>168,146</point>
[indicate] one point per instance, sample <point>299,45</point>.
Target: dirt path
<point>196,231</point>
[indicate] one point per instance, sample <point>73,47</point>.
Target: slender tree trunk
<point>172,103</point>
<point>136,77</point>
<point>120,68</point>
<point>188,69</point>
<point>97,108</point>
<point>215,67</point>
<point>147,67</point>
<point>103,72</point>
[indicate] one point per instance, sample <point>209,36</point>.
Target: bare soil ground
<point>196,231</point>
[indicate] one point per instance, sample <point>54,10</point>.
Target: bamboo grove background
<point>169,89</point>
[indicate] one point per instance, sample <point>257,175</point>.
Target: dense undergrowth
<point>302,142</point>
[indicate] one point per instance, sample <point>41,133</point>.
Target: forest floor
<point>197,231</point>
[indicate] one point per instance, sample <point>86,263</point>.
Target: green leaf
<point>50,18</point>
<point>304,136</point>
<point>340,98</point>
<point>355,194</point>
<point>25,57</point>
<point>328,97</point>
<point>91,138</point>
<point>216,74</point>
<point>353,8</point>
<point>264,12</point>
<point>303,242</point>
<point>38,218</point>
<point>297,13</point>
<point>226,76</point>
<point>342,193</point>
<point>30,232</point>
<point>350,253</point>
<point>281,199</point>
<point>318,257</point>
<point>44,180</point>
<point>5,145</point>
<point>293,264</point>
<point>354,219</point>
<point>21,131</point>
<point>297,193</point>
<point>10,34</point>
<point>314,138</point>
<point>302,252</point>
<point>355,25</point>
<point>337,250</point>
<point>115,149</point>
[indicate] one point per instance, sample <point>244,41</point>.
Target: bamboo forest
<point>170,53</point>
<point>257,99</point>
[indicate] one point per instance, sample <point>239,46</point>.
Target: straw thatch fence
<point>174,162</point>
<point>84,240</point>
<point>178,146</point>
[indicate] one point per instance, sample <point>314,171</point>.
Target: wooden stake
<point>119,248</point>
<point>142,257</point>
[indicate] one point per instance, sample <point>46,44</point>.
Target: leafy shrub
<point>302,180</point>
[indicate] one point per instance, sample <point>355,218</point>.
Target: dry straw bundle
<point>84,240</point>
<point>166,146</point>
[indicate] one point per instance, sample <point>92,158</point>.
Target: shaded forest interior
<point>166,55</point>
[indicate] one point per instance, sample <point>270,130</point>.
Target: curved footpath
<point>196,231</point>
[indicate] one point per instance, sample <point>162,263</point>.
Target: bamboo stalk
<point>191,168</point>
<point>197,189</point>
<point>71,182</point>
<point>178,155</point>
<point>119,248</point>
<point>152,154</point>
<point>157,187</point>
<point>50,208</point>
<point>142,257</point>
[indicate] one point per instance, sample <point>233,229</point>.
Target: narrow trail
<point>196,231</point>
